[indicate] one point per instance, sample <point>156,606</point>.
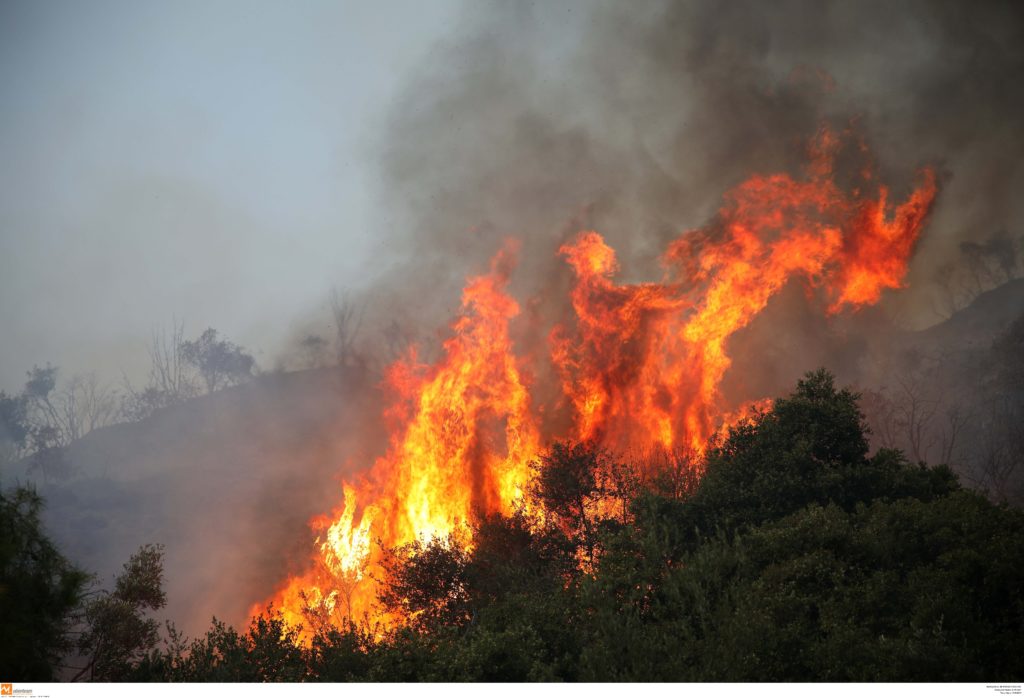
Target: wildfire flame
<point>640,368</point>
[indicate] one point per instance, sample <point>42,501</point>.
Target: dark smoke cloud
<point>633,119</point>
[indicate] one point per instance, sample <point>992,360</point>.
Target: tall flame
<point>465,439</point>
<point>640,368</point>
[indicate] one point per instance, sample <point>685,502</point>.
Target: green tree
<point>268,651</point>
<point>426,583</point>
<point>663,586</point>
<point>219,362</point>
<point>567,482</point>
<point>39,591</point>
<point>810,448</point>
<point>901,590</point>
<point>14,427</point>
<point>799,556</point>
<point>118,634</point>
<point>515,555</point>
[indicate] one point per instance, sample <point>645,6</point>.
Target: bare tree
<point>87,405</point>
<point>313,348</point>
<point>957,419</point>
<point>171,379</point>
<point>880,411</point>
<point>999,464</point>
<point>169,372</point>
<point>918,412</point>
<point>55,417</point>
<point>179,369</point>
<point>60,416</point>
<point>348,319</point>
<point>915,410</point>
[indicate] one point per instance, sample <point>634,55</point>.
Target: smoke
<point>538,121</point>
<point>633,120</point>
<point>227,482</point>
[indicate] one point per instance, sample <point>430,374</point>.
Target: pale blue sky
<point>209,160</point>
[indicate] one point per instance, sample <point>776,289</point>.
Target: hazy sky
<point>212,161</point>
<point>227,163</point>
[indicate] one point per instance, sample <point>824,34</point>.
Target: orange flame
<point>467,438</point>
<point>640,369</point>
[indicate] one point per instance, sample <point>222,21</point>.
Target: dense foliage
<point>54,622</point>
<point>117,633</point>
<point>798,556</point>
<point>39,592</point>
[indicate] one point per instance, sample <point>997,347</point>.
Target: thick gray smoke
<point>227,482</point>
<point>633,119</point>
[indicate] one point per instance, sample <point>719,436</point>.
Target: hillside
<point>980,322</point>
<point>228,481</point>
<point>225,481</point>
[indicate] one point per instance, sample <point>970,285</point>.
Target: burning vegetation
<point>638,369</point>
<point>599,468</point>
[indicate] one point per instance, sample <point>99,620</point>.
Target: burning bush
<point>798,557</point>
<point>637,372</point>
